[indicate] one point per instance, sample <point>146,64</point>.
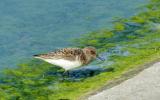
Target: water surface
<point>29,27</point>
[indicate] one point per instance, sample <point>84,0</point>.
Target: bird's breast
<point>66,64</point>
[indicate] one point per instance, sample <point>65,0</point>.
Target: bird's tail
<point>36,56</point>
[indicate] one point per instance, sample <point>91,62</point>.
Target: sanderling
<point>70,58</point>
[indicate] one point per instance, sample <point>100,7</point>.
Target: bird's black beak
<point>100,58</point>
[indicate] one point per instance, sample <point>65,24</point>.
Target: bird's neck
<point>88,58</point>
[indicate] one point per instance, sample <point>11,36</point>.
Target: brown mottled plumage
<point>71,57</point>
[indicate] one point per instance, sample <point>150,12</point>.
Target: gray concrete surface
<point>144,86</point>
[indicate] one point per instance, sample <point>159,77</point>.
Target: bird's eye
<point>93,52</point>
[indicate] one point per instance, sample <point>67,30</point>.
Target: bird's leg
<point>65,73</point>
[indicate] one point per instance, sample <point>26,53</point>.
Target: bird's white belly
<point>66,64</point>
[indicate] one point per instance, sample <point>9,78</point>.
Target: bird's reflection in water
<point>80,73</point>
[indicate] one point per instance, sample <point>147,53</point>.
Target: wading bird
<point>70,58</point>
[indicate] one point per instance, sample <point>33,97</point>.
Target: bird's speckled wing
<point>66,53</point>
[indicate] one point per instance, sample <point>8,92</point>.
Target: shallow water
<point>29,27</point>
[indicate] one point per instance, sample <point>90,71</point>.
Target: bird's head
<point>90,52</point>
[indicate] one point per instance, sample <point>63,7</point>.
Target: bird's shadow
<point>79,74</point>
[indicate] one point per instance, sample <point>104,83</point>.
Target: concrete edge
<point>127,75</point>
